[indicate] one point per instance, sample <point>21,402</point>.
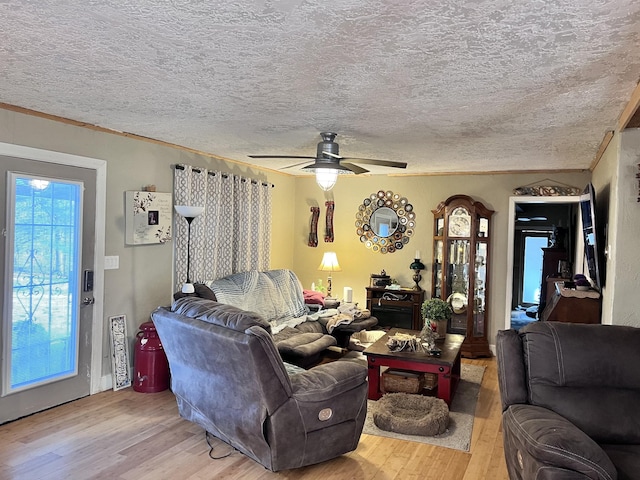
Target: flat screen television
<point>593,255</point>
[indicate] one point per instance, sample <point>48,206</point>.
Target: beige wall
<point>144,279</point>
<point>605,182</point>
<point>424,192</point>
<point>616,186</point>
<point>627,273</point>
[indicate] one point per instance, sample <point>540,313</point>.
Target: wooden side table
<point>573,306</point>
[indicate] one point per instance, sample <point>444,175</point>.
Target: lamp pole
<point>189,220</point>
<point>189,213</point>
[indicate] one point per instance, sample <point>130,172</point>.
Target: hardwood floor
<point>137,436</point>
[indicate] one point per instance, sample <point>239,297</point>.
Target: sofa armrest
<point>330,398</point>
<point>324,416</point>
<point>328,380</point>
<point>537,438</point>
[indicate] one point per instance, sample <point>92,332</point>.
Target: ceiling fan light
<point>326,178</point>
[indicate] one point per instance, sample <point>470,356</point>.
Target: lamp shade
<point>417,265</point>
<point>330,263</point>
<point>326,178</point>
<point>327,171</point>
<point>189,211</point>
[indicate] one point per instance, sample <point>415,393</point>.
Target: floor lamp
<point>189,213</point>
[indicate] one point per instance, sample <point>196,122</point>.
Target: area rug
<point>461,414</point>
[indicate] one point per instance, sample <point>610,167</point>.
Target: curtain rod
<point>224,175</point>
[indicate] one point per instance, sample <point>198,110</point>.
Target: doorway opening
<point>539,229</point>
<point>529,287</point>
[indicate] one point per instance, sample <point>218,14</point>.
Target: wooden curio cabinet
<point>461,261</point>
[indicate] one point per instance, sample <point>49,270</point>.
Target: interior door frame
<point>100,166</point>
<point>513,200</point>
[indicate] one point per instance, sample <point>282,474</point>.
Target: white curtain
<point>232,235</point>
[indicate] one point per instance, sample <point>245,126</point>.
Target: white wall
<point>616,185</point>
<point>605,181</point>
<point>626,243</point>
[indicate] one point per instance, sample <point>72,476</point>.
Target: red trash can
<point>150,365</point>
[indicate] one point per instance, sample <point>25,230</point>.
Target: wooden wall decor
<point>313,233</point>
<point>328,238</point>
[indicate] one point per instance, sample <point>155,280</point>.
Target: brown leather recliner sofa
<point>571,401</point>
<point>229,378</point>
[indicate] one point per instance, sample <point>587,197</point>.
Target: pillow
<point>201,291</point>
<point>313,298</point>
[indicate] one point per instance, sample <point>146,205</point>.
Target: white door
<point>47,298</point>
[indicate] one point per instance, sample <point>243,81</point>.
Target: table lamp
<point>329,264</point>
<point>189,213</point>
<point>417,266</point>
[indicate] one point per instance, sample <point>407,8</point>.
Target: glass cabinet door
<point>461,269</point>
<point>437,268</point>
<point>479,292</point>
<point>458,283</point>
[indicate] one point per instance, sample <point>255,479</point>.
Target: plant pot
<point>441,330</point>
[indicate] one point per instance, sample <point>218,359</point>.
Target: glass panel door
<point>532,271</point>
<point>45,218</point>
<point>47,311</point>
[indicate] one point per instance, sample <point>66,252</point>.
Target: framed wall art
<point>148,217</point>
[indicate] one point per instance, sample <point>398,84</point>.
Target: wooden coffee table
<point>447,366</point>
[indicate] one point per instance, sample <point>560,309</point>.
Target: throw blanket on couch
<point>348,313</point>
<point>276,295</point>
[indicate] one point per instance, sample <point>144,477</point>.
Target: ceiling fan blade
<point>294,165</point>
<point>382,163</point>
<point>280,156</point>
<point>354,168</point>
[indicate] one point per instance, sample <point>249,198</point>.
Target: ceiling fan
<point>328,163</point>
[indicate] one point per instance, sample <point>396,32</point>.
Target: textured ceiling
<point>449,85</point>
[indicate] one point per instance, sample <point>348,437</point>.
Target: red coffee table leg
<point>374,380</point>
<point>444,386</point>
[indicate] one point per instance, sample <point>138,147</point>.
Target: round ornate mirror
<point>385,221</point>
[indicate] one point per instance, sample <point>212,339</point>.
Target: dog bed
<point>411,414</point>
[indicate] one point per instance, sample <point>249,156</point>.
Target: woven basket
<point>430,381</point>
<point>407,382</point>
<point>401,381</point>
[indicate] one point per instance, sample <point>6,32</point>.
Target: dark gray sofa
<point>571,401</point>
<point>277,296</point>
<point>229,378</point>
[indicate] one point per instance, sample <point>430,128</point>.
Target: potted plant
<point>436,312</point>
